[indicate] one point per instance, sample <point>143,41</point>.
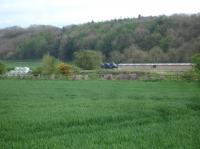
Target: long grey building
<point>162,67</point>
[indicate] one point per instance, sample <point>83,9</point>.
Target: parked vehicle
<point>109,65</point>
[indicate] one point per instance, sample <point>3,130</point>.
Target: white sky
<point>65,12</point>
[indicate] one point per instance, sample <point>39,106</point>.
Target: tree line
<point>144,39</point>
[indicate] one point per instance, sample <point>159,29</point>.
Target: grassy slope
<point>99,114</point>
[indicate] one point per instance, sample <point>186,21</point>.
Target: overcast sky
<point>65,12</point>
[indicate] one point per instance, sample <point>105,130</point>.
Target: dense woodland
<point>144,39</point>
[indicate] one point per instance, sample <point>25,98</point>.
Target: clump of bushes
<point>52,67</point>
<point>189,75</point>
<point>88,59</point>
<point>48,65</point>
<point>75,69</point>
<point>196,61</point>
<point>10,68</point>
<point>2,68</point>
<point>37,72</point>
<point>64,69</point>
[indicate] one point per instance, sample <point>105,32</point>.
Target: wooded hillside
<point>144,39</point>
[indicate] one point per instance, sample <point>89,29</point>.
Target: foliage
<point>36,46</point>
<point>189,75</point>
<point>196,61</point>
<point>75,69</point>
<point>134,54</point>
<point>2,68</point>
<point>157,39</point>
<point>156,55</point>
<point>99,114</point>
<point>64,69</point>
<point>116,56</point>
<point>10,68</point>
<point>48,64</point>
<point>37,71</point>
<point>88,59</point>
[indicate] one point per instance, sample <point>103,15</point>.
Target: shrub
<point>196,61</point>
<point>75,69</point>
<point>49,64</point>
<point>88,59</point>
<point>188,76</point>
<point>10,68</point>
<point>64,69</point>
<point>37,71</point>
<point>2,68</point>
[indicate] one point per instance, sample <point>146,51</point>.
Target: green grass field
<point>25,63</point>
<point>44,114</point>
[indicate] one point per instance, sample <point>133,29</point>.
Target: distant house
<point>161,67</point>
<point>19,71</point>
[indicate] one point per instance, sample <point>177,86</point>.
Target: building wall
<point>161,68</point>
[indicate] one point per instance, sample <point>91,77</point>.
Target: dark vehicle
<point>109,65</point>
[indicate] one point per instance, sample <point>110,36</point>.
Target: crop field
<point>57,114</point>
